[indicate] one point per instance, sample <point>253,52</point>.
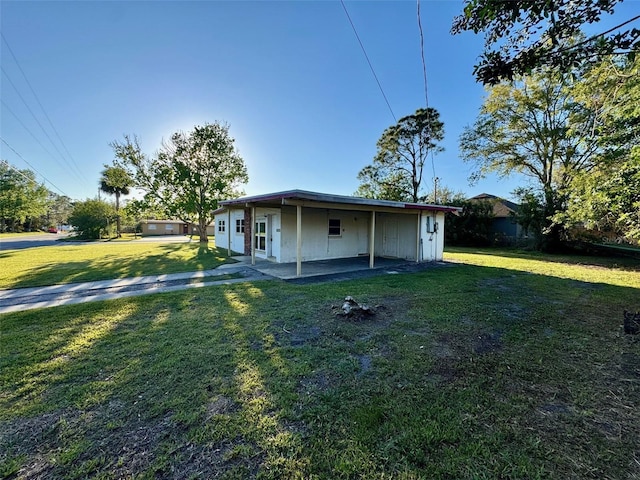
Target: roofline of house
<point>330,198</point>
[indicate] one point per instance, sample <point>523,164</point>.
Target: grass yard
<point>506,366</point>
<point>86,262</point>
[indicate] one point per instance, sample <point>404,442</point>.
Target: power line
<point>15,59</point>
<point>26,128</point>
<point>426,100</point>
<point>34,169</point>
<point>40,125</point>
<point>368,61</point>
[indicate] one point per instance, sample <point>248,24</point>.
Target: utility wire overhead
<point>73,162</point>
<point>32,167</point>
<point>70,167</point>
<point>26,128</point>
<point>426,101</point>
<point>368,61</point>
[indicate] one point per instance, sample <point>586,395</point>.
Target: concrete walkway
<point>20,299</point>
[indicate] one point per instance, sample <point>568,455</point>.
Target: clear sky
<point>288,77</point>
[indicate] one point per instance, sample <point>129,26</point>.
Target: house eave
<point>324,200</point>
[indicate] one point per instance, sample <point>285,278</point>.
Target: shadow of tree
<point>262,379</point>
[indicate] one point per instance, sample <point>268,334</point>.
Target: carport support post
<point>253,236</point>
<point>298,240</point>
<point>372,238</point>
<point>229,233</point>
<point>418,236</point>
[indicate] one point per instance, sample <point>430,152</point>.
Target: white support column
<point>418,237</point>
<point>229,232</point>
<point>372,238</point>
<point>298,240</point>
<point>253,235</point>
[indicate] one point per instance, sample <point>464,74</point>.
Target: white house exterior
<point>299,226</point>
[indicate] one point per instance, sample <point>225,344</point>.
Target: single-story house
<point>503,224</point>
<point>171,227</point>
<point>299,226</point>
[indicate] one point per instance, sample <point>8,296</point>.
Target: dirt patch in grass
<point>123,443</point>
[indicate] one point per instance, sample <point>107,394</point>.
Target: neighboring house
<point>299,226</point>
<point>504,225</point>
<point>171,227</point>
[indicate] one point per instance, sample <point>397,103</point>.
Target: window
<point>221,226</point>
<point>335,227</point>
<point>168,228</point>
<point>240,225</point>
<point>152,226</point>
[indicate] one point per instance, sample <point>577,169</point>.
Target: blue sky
<point>289,78</point>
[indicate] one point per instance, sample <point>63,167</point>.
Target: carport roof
<point>284,198</point>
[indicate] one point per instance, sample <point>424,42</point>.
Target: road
<point>28,241</point>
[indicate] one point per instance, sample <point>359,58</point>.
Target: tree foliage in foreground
<point>22,198</point>
<point>607,197</point>
<point>402,151</point>
<point>521,35</point>
<point>189,175</point>
<point>92,218</point>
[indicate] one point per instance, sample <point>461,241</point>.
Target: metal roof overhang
<point>339,202</point>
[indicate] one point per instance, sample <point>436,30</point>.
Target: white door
<point>260,233</point>
<point>273,243</point>
<point>390,237</point>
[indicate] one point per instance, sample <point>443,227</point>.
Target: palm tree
<point>116,181</point>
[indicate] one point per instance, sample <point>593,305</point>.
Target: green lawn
<point>22,234</point>
<point>511,366</point>
<point>92,261</point>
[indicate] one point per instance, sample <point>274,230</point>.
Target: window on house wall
<point>168,228</point>
<point>221,226</point>
<point>335,227</point>
<point>240,225</point>
<point>151,226</point>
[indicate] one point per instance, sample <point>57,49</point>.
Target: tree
<point>472,226</point>
<point>59,209</point>
<point>535,33</point>
<point>190,173</point>
<point>535,127</point>
<point>91,218</point>
<point>402,150</point>
<point>22,198</point>
<point>607,197</point>
<point>116,181</point>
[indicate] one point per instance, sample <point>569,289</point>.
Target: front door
<point>261,235</point>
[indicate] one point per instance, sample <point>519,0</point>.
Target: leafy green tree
<point>472,226</point>
<point>58,210</point>
<point>190,173</point>
<point>521,35</point>
<point>607,197</point>
<point>402,151</point>
<point>116,181</point>
<point>22,198</point>
<point>535,127</point>
<point>382,184</point>
<point>91,218</point>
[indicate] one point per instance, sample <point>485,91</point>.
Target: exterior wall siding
<point>396,234</point>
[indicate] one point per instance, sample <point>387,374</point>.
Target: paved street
<point>28,241</point>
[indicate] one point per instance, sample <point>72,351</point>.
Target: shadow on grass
<point>111,266</point>
<point>465,372</point>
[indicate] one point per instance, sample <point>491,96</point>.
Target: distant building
<point>504,228</point>
<point>171,227</point>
